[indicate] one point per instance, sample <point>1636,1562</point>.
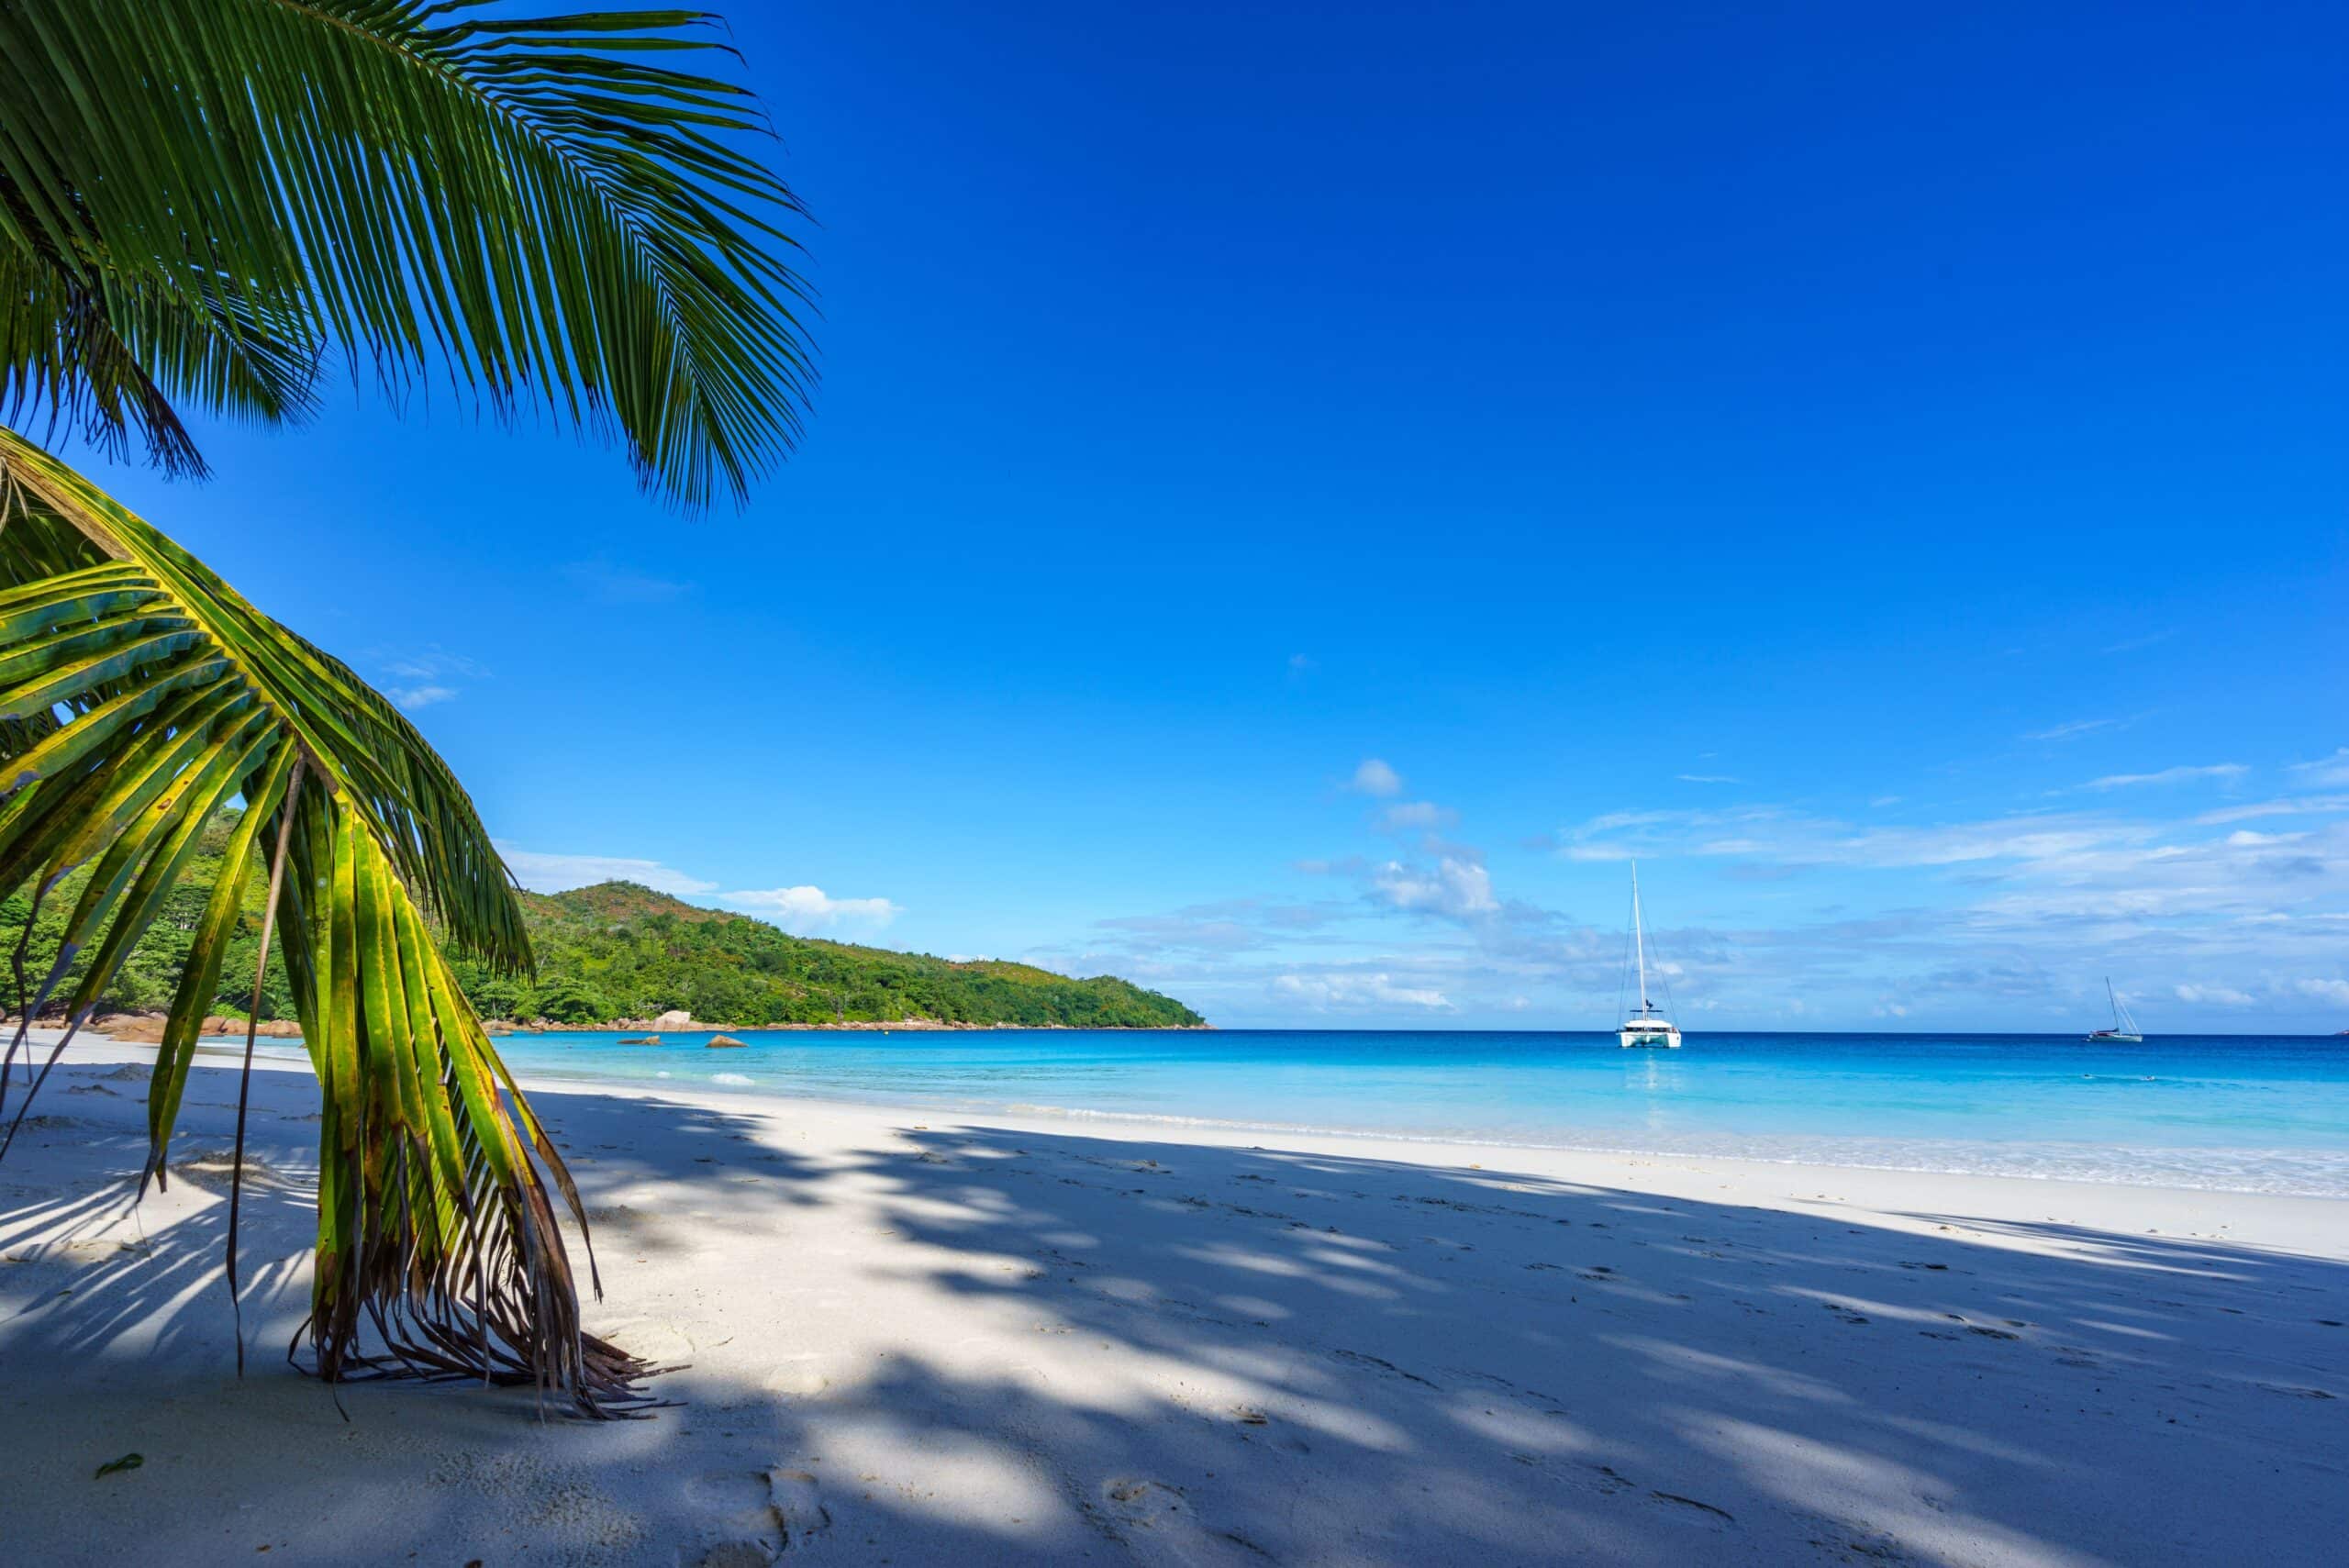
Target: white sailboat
<point>1643,1026</point>
<point>2124,1030</point>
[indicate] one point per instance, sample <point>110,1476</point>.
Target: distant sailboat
<point>1644,1027</point>
<point>2124,1029</point>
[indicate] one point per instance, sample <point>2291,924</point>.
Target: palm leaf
<point>549,207</point>
<point>107,358</point>
<point>141,697</point>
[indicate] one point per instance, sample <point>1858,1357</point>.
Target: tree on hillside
<point>208,204</point>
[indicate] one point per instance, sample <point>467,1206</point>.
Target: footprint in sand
<point>736,1501</point>
<point>1156,1524</point>
<point>798,1500</point>
<point>1147,1504</point>
<point>801,1379</point>
<point>651,1339</point>
<point>767,1512</point>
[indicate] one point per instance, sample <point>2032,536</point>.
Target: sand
<point>918,1339</point>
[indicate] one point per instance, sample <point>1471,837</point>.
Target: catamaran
<point>2125,1028</point>
<point>1644,1027</point>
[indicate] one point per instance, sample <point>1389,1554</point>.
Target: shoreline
<point>911,1026</point>
<point>739,1092</point>
<point>2311,1222</point>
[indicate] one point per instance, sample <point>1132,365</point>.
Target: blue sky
<point>1299,495</point>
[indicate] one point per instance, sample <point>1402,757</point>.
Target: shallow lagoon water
<point>2256,1113</point>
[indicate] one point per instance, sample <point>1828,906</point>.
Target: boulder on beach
<point>132,1029</point>
<point>675,1019</point>
<point>724,1043</point>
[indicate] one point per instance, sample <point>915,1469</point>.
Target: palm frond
<point>546,205</point>
<point>353,735</point>
<point>139,697</point>
<point>112,359</point>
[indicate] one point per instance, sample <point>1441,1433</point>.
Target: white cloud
<point>433,664</point>
<point>2326,770</point>
<point>800,910</point>
<point>806,910</point>
<point>1705,778</point>
<point>1197,929</point>
<point>1999,920</point>
<point>2168,776</point>
<point>2076,727</point>
<point>414,697</point>
<point>422,678</point>
<point>1417,814</point>
<point>1357,993</point>
<point>2307,806</point>
<point>2133,644</point>
<point>556,874</point>
<point>2216,996</point>
<point>1455,887</point>
<point>2084,879</point>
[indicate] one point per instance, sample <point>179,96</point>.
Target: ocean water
<point>2256,1113</point>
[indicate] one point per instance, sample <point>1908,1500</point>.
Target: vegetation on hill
<point>618,950</point>
<point>149,977</point>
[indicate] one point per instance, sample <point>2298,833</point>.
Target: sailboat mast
<point>1639,938</point>
<point>2108,996</point>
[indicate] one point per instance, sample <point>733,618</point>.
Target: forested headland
<point>613,952</point>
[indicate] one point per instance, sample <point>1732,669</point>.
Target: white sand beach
<point>920,1339</point>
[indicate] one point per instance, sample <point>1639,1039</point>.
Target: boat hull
<point>1648,1040</point>
<point>2115,1036</point>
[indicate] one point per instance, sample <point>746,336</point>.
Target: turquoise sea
<point>2258,1114</point>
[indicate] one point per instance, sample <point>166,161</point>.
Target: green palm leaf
<point>548,206</point>
<point>139,697</point>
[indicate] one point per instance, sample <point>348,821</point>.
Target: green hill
<point>618,950</point>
